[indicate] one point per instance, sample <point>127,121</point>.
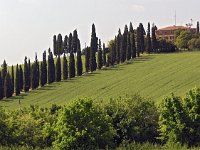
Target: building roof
<point>174,28</point>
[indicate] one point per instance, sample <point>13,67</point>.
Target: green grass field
<point>152,76</point>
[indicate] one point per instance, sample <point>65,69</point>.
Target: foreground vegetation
<point>152,76</point>
<point>122,122</point>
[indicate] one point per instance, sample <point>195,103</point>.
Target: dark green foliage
<point>124,44</point>
<point>17,81</point>
<point>43,70</point>
<point>1,87</point>
<point>128,48</point>
<point>149,47</point>
<point>71,65</point>
<point>134,118</point>
<point>118,46</point>
<point>55,51</point>
<point>108,61</point>
<point>132,40</point>
<point>87,59</point>
<point>79,64</point>
<point>154,40</point>
<point>26,76</point>
<point>138,42</point>
<point>65,68</point>
<point>4,69</point>
<point>13,79</point>
<point>70,43</point>
<point>65,45</point>
<point>29,73</point>
<point>112,51</point>
<point>51,68</point>
<point>197,27</point>
<point>37,71</point>
<point>164,46</point>
<point>8,86</point>
<point>100,61</point>
<point>58,69</point>
<point>93,49</point>
<point>21,78</point>
<point>59,44</point>
<point>75,41</point>
<point>83,125</point>
<point>35,74</point>
<point>141,37</point>
<point>104,55</point>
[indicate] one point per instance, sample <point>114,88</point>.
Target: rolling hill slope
<point>152,76</point>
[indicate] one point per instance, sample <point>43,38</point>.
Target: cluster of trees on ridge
<point>123,48</point>
<point>86,124</point>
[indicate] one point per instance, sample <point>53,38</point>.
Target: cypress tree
<point>104,55</point>
<point>149,47</point>
<point>42,74</point>
<point>51,68</point>
<point>118,46</point>
<point>154,40</point>
<point>44,63</point>
<point>112,53</point>
<point>93,50</point>
<point>26,76</point>
<point>142,33</point>
<point>128,49</point>
<point>132,40</point>
<point>100,61</point>
<point>108,60</point>
<point>33,76</point>
<point>65,45</point>
<point>13,79</point>
<point>138,42</point>
<point>8,86</point>
<point>75,41</point>
<point>37,72</point>
<point>87,59</point>
<point>21,79</point>
<point>124,44</point>
<point>29,73</point>
<point>4,70</point>
<point>79,60</point>
<point>197,27</point>
<point>65,68</point>
<point>58,69</point>
<point>1,87</point>
<point>17,81</point>
<point>55,46</point>
<point>59,45</point>
<point>71,65</point>
<point>70,43</point>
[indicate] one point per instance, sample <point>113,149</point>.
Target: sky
<point>27,26</point>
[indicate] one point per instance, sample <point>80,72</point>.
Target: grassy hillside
<point>152,76</point>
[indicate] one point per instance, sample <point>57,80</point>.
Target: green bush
<point>83,125</point>
<point>134,119</point>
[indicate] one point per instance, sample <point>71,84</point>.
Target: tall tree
<point>65,68</point>
<point>59,44</point>
<point>93,49</point>
<point>21,78</point>
<point>104,55</point>
<point>13,79</point>
<point>1,87</point>
<point>58,69</point>
<point>75,41</point>
<point>132,40</point>
<point>128,48</point>
<point>29,73</point>
<point>71,65</point>
<point>33,76</point>
<point>65,45</point>
<point>55,51</point>
<point>44,63</point>
<point>142,41</point>
<point>118,46</point>
<point>17,81</point>
<point>197,27</point>
<point>26,76</point>
<point>41,74</point>
<point>138,42</point>
<point>51,68</point>
<point>4,70</point>
<point>149,47</point>
<point>154,40</point>
<point>112,51</point>
<point>70,43</point>
<point>37,71</point>
<point>8,86</point>
<point>100,61</point>
<point>79,60</point>
<point>87,59</point>
<point>124,44</point>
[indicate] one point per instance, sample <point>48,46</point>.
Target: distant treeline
<point>86,124</point>
<point>124,47</point>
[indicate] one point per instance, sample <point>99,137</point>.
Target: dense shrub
<point>83,125</point>
<point>134,119</point>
